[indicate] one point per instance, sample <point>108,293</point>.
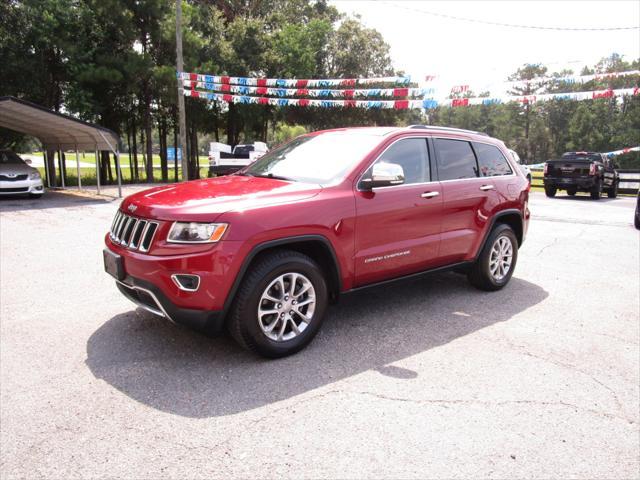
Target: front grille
<point>6,178</point>
<point>131,232</point>
<point>14,190</point>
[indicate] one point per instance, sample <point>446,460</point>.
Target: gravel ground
<point>424,379</point>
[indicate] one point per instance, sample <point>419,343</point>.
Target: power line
<point>511,25</point>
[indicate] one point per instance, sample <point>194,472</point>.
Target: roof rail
<point>446,129</point>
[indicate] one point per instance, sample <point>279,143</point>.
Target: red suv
<point>265,250</point>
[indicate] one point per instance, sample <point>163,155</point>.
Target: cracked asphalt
<point>427,379</point>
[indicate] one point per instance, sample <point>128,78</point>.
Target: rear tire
<point>278,276</point>
<point>596,191</point>
<point>495,265</point>
<point>550,191</point>
<point>613,191</point>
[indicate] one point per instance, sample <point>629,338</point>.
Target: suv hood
<point>206,200</point>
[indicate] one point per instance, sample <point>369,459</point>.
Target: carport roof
<point>55,130</point>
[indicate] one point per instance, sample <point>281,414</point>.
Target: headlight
<point>34,176</point>
<point>193,232</point>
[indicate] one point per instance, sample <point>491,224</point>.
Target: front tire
<point>550,191</point>
<point>613,191</point>
<point>280,305</point>
<point>495,265</point>
<point>596,191</point>
<point>572,191</point>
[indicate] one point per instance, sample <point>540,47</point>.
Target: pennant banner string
<point>291,82</point>
<point>307,92</point>
<point>405,104</point>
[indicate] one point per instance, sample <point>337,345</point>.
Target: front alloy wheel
<point>280,304</point>
<point>286,307</point>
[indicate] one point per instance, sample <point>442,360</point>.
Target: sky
<point>465,53</point>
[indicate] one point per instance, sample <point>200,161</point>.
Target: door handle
<point>487,187</point>
<point>430,194</point>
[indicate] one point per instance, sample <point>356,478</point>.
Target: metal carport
<point>59,132</point>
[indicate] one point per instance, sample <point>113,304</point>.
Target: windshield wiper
<point>276,177</point>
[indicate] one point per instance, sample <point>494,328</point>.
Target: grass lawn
<point>90,157</point>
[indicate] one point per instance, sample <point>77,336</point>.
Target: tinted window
<point>412,155</point>
<point>455,159</point>
<point>491,161</point>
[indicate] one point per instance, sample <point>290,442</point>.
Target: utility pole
<point>181,113</point>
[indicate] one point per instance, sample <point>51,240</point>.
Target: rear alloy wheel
<point>596,191</point>
<point>495,264</point>
<point>550,191</point>
<point>280,304</point>
<point>613,191</point>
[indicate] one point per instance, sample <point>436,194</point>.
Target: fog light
<point>188,283</point>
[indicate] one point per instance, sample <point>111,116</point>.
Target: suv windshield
<point>7,157</point>
<point>320,159</point>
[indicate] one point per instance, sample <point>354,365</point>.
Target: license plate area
<point>113,264</point>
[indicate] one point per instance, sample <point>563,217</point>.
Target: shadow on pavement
<point>51,199</point>
<point>178,371</point>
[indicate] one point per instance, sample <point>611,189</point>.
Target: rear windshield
<point>7,157</point>
<point>243,149</point>
<point>582,156</point>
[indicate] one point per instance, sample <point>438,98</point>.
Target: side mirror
<point>383,175</point>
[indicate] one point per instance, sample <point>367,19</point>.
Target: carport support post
<point>118,173</point>
<point>98,169</point>
<point>45,156</point>
<point>62,170</point>
<point>78,169</point>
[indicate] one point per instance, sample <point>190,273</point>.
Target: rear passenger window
<point>491,161</point>
<point>455,159</point>
<point>412,155</point>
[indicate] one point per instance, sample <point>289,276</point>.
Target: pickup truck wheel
<point>572,191</point>
<point>596,191</point>
<point>280,305</point>
<point>497,260</point>
<point>613,191</point>
<point>550,191</point>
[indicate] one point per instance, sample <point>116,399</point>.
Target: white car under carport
<point>17,177</point>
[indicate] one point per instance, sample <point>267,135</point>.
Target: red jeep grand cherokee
<point>264,251</point>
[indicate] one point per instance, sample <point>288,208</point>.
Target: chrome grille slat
<point>137,234</point>
<point>132,232</point>
<point>145,242</point>
<point>131,225</point>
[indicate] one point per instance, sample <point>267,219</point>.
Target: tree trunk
<point>175,146</point>
<point>162,131</point>
<point>231,124</point>
<point>134,135</point>
<point>147,133</point>
<point>51,164</point>
<point>129,149</point>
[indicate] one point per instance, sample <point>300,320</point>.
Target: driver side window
<point>412,155</point>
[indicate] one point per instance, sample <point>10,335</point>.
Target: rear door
<point>398,227</point>
<point>468,199</point>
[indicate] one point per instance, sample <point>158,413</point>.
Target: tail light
<point>593,169</point>
<point>546,168</point>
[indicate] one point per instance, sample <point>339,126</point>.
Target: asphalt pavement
<point>426,379</point>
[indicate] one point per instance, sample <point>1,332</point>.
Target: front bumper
<point>146,279</point>
<point>586,183</point>
<point>151,298</point>
<point>17,187</point>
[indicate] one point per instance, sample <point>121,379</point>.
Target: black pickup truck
<point>581,172</point>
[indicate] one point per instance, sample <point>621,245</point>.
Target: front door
<point>398,227</point>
